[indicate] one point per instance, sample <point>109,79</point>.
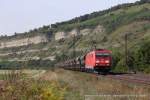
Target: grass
<point>59,84</point>
<point>17,87</point>
<point>80,84</point>
<point>32,90</point>
<point>20,74</point>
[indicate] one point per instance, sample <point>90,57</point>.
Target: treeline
<point>138,59</point>
<point>99,13</point>
<point>44,30</point>
<point>31,64</point>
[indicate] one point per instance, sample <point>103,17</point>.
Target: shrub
<point>121,67</point>
<point>147,70</point>
<point>32,90</point>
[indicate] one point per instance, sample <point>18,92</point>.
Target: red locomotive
<point>99,60</point>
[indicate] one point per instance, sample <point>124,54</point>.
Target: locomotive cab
<point>99,60</point>
<point>103,61</point>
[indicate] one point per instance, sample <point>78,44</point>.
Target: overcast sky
<point>23,15</point>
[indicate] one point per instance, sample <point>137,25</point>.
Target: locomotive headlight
<point>97,61</point>
<point>106,61</point>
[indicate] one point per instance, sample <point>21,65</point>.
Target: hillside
<point>104,29</point>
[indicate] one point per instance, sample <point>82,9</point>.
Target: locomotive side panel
<point>90,60</point>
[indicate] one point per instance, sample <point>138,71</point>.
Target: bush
<point>31,64</point>
<point>142,56</point>
<point>116,56</point>
<point>121,67</point>
<point>32,90</point>
<point>147,70</point>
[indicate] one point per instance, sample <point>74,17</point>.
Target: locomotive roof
<point>100,50</point>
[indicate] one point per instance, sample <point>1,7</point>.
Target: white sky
<point>23,15</point>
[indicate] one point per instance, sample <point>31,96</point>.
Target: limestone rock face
<point>99,29</point>
<point>23,41</point>
<point>60,35</point>
<point>85,31</point>
<point>75,32</point>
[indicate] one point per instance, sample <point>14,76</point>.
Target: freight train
<point>99,60</point>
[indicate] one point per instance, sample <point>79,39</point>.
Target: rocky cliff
<point>64,35</point>
<point>23,41</point>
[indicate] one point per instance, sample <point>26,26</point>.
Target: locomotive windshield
<point>102,55</point>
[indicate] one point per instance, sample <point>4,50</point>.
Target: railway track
<point>132,78</point>
<point>128,77</point>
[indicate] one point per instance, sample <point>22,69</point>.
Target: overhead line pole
<point>74,39</point>
<point>74,48</point>
<point>126,50</point>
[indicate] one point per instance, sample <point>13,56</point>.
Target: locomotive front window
<point>102,55</point>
